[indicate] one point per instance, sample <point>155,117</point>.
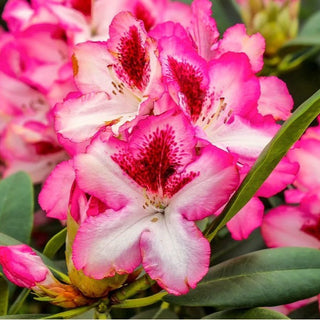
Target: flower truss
<point>159,122</point>
<point>36,69</point>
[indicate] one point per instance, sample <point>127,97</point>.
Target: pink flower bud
<point>23,267</point>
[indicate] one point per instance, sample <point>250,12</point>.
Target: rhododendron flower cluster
<point>36,70</point>
<point>159,122</point>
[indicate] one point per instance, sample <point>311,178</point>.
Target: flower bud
<point>276,20</point>
<point>23,267</point>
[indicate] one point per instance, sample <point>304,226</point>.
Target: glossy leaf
<point>55,243</point>
<point>263,278</point>
<point>288,134</point>
<point>16,206</point>
<point>254,313</point>
<point>6,240</point>
<point>4,296</point>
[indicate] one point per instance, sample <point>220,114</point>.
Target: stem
<point>143,283</point>
<point>17,304</point>
<point>141,302</point>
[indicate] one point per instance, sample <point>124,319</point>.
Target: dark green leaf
<point>288,134</point>
<point>6,240</point>
<point>255,313</point>
<point>16,206</point>
<point>224,248</point>
<point>4,296</point>
<point>311,26</point>
<point>267,277</point>
<point>55,243</point>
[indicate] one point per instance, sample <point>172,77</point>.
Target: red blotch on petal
<point>134,63</point>
<point>189,79</point>
<point>156,166</point>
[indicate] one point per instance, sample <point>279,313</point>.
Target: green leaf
<point>6,240</point>
<point>288,134</point>
<point>267,277</point>
<point>16,206</point>
<point>4,296</point>
<point>226,248</point>
<point>255,313</point>
<point>311,26</point>
<point>55,243</point>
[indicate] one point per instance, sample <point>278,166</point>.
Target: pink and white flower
<point>115,77</point>
<point>153,186</point>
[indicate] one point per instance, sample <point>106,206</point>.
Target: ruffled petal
<point>54,196</point>
<point>281,227</point>
<point>98,175</point>
<point>307,154</point>
<point>216,179</point>
<point>246,220</point>
<point>234,87</point>
<point>109,243</point>
<point>243,138</point>
<point>174,253</point>
<point>81,118</point>
<point>90,67</point>
<point>236,39</point>
<point>275,98</point>
<point>282,175</point>
<point>203,28</point>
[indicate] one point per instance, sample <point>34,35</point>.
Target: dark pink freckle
<point>156,165</point>
<point>133,59</point>
<point>312,229</point>
<point>189,79</point>
<point>142,13</point>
